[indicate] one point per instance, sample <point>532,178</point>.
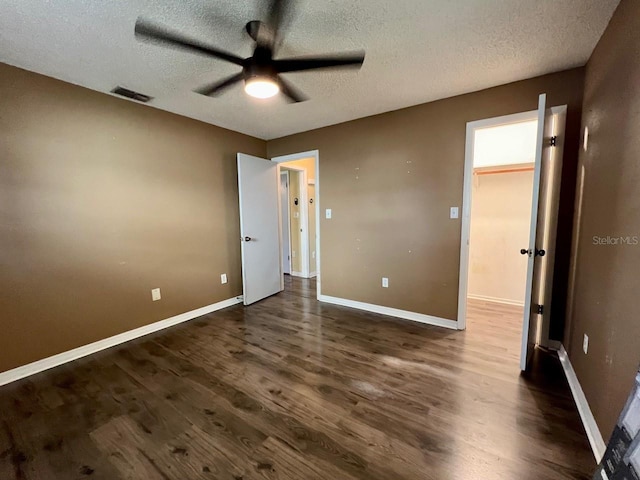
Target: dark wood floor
<point>294,389</point>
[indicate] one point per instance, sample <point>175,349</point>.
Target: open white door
<point>259,227</point>
<point>539,232</point>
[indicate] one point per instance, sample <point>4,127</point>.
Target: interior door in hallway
<point>258,192</point>
<point>286,222</point>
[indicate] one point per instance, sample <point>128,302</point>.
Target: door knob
<point>247,239</point>
<point>540,253</point>
<point>525,252</point>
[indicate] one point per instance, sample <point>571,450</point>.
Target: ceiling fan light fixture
<point>261,87</point>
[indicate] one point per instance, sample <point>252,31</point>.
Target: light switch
<point>454,213</point>
<point>385,282</point>
<point>223,278</point>
<point>328,213</point>
<point>155,294</point>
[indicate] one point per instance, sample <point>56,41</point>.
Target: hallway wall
<point>606,253</point>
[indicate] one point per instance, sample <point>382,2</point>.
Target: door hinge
<point>553,141</point>
<point>540,309</point>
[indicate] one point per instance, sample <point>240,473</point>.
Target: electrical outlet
<point>223,278</point>
<point>454,212</point>
<point>585,343</point>
<point>328,213</point>
<point>155,294</point>
<point>385,282</point>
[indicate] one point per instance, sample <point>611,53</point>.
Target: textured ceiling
<point>417,51</point>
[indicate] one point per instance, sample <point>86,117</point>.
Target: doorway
<point>501,193</point>
<point>511,196</point>
<point>285,213</point>
<point>300,218</point>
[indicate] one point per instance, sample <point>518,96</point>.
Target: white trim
<point>593,432</point>
<point>297,274</point>
<point>466,201</point>
<point>313,274</point>
<point>70,355</point>
<point>392,312</point>
<point>505,301</point>
<point>298,156</point>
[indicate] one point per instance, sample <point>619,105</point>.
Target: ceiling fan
<point>260,72</point>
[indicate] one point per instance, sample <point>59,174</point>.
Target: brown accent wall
<point>390,180</point>
<point>605,299</point>
<point>102,200</point>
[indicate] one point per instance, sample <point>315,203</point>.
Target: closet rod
<point>505,170</point>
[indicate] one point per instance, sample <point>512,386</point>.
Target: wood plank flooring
<point>294,389</point>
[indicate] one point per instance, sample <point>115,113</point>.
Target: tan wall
<point>605,305</point>
<point>500,223</point>
<point>390,180</point>
<point>102,200</point>
<point>309,164</point>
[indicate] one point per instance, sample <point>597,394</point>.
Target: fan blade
<point>276,13</point>
<point>217,88</point>
<point>291,92</point>
<point>351,60</point>
<point>276,17</point>
<point>156,33</point>
<point>268,34</point>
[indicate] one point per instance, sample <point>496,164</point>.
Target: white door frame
<point>285,260</point>
<point>466,200</point>
<point>472,127</point>
<point>299,156</point>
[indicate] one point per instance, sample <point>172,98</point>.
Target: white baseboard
<point>596,441</point>
<point>70,355</point>
<point>392,312</point>
<point>297,274</point>
<point>504,301</point>
<point>313,274</point>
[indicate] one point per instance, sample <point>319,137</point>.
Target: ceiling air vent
<point>125,92</point>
